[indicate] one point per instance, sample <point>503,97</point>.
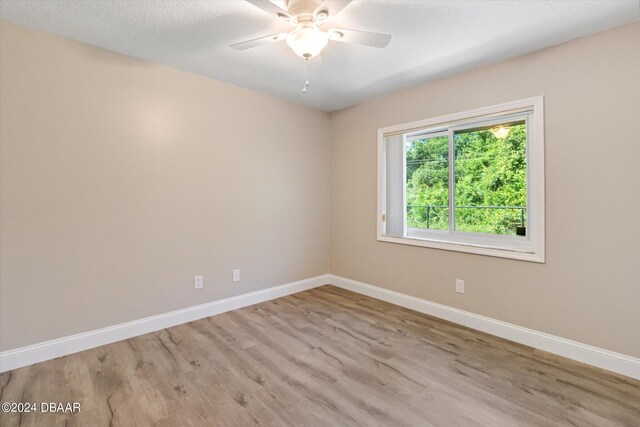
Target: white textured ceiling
<point>431,39</point>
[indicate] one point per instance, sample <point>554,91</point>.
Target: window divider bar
<point>404,185</point>
<point>452,194</point>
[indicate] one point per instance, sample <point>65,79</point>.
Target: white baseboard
<point>605,359</point>
<point>47,350</point>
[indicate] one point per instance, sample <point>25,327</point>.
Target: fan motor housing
<point>302,7</point>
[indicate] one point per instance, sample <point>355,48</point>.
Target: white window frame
<point>528,248</point>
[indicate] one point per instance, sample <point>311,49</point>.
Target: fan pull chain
<point>306,77</point>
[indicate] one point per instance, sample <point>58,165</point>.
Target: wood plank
<point>325,356</point>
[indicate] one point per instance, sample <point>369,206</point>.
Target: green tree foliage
<point>428,183</point>
<point>490,179</point>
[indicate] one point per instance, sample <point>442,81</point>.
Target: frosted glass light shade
<point>307,42</point>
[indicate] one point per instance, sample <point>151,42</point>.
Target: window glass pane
<point>427,174</point>
<point>491,179</point>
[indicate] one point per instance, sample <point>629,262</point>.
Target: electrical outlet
<point>198,282</point>
<point>236,275</point>
<point>460,286</point>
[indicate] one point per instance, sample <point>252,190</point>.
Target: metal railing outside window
<point>430,208</point>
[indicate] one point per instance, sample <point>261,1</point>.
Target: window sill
<point>471,248</point>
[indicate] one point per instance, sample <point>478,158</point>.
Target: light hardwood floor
<point>324,357</point>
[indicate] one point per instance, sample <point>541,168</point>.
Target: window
<point>470,182</point>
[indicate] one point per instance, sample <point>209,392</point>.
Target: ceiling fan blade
<point>332,6</point>
<point>359,37</point>
<point>270,8</point>
<point>259,41</point>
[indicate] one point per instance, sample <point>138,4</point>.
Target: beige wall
<point>122,179</point>
<point>589,288</point>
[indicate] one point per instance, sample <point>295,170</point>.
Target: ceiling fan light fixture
<point>307,41</point>
<point>335,35</point>
<point>322,15</point>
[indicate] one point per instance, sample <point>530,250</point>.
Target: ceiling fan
<point>307,17</point>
